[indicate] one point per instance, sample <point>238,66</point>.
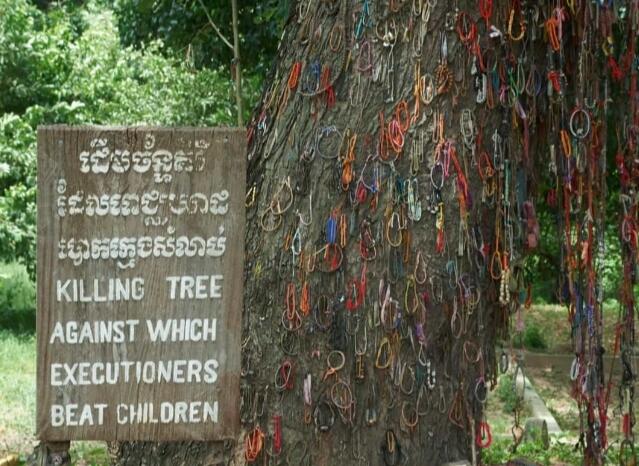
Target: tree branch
<point>238,65</point>
<point>214,26</point>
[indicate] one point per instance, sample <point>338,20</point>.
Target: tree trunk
<point>346,148</point>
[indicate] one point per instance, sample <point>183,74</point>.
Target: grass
<point>18,372</point>
<point>560,453</point>
<point>17,299</point>
<point>17,391</point>
<point>89,454</point>
<point>17,360</point>
<point>18,403</point>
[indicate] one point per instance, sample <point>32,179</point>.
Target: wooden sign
<point>140,277</point>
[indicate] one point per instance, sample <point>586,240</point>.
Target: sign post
<point>140,277</point>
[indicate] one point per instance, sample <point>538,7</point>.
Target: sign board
<point>140,277</point>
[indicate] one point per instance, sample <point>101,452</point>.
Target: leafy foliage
<point>534,338</point>
<point>67,65</point>
<point>542,266</point>
<point>562,451</point>
<point>184,27</point>
<point>33,56</point>
<point>506,393</point>
<point>17,300</point>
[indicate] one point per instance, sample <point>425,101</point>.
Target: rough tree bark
<point>317,140</point>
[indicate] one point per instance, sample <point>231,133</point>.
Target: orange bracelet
<point>253,445</point>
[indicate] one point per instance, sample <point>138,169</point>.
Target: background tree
<point>68,66</point>
<point>184,27</point>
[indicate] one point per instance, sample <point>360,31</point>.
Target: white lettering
<point>98,290</point>
<point>99,331</point>
<point>174,283</point>
<point>180,412</point>
<point>216,290</point>
<point>182,330</point>
<point>75,415</point>
<point>210,412</point>
<point>57,415</point>
<point>210,371</point>
<point>62,290</point>
<point>195,287</point>
<point>149,372</point>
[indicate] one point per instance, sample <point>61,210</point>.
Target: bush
<point>501,452</point>
<point>17,300</point>
<point>506,392</point>
<point>534,338</point>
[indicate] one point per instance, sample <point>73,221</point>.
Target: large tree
<point>392,160</point>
